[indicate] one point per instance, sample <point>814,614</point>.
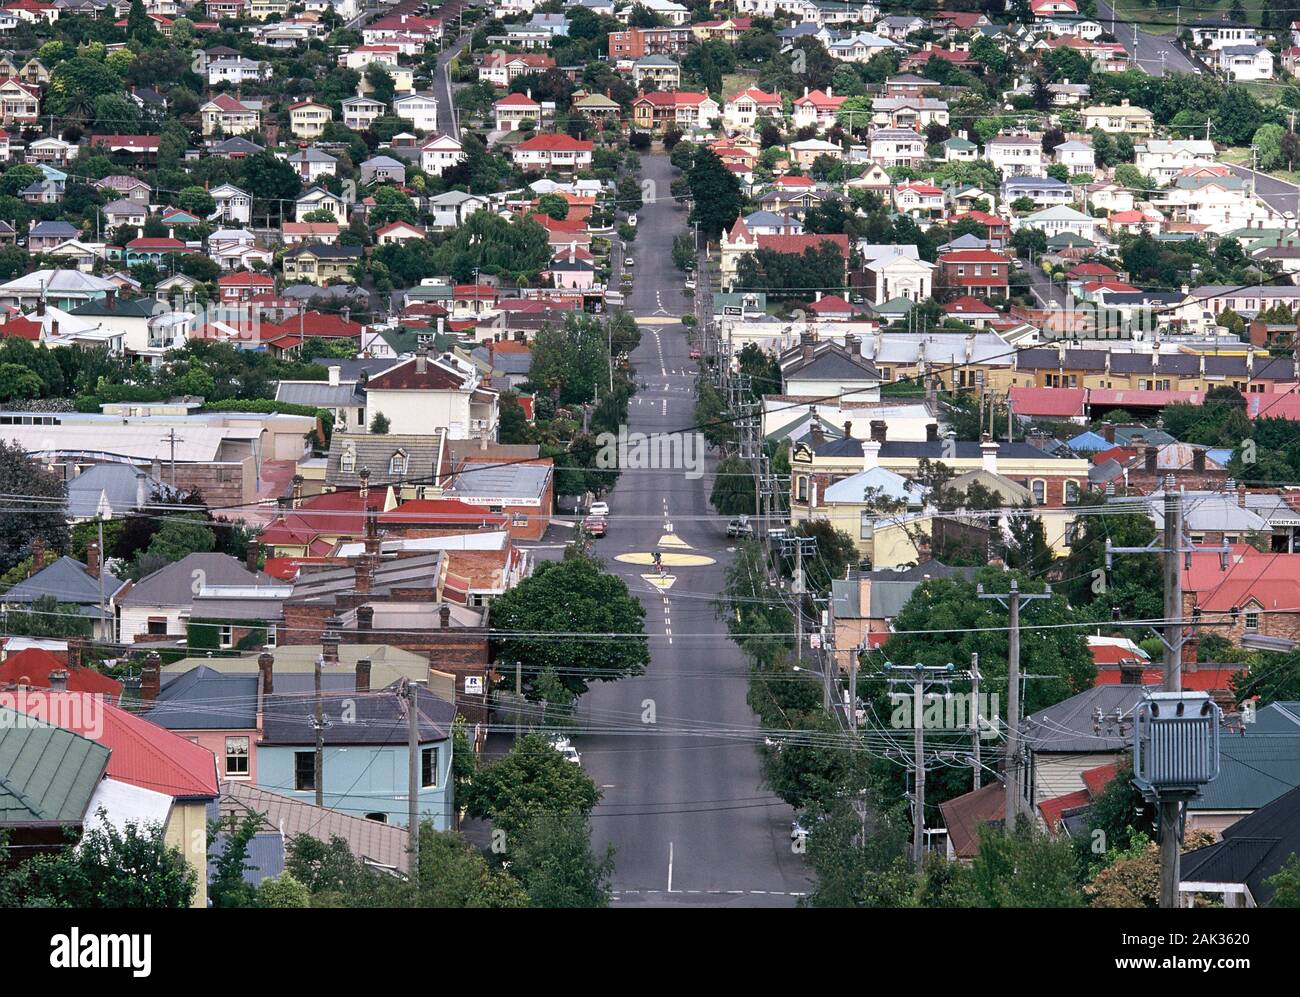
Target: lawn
<point>1162,19</point>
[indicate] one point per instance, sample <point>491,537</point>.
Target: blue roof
<point>1089,441</point>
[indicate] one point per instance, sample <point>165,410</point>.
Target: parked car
<point>689,284</point>
<point>629,262</point>
<point>596,526</point>
<point>740,527</point>
<point>631,220</point>
<point>565,747</point>
<point>600,509</point>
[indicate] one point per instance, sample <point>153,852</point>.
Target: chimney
<point>74,652</point>
<point>365,623</point>
<point>1198,460</point>
<point>363,674</point>
<point>1191,645</point>
<point>444,616</point>
<point>848,429</point>
<point>335,371</point>
<point>330,641</point>
<point>870,454</point>
<point>297,490</point>
<point>150,678</point>
<point>851,345</point>
<point>1109,433</point>
<point>59,680</point>
<point>252,557</point>
<point>922,552</point>
<point>364,490</point>
<point>364,575</point>
<point>931,432</point>
<point>879,430</point>
<point>1149,459</point>
<point>1241,495</point>
<point>989,454</point>
<point>266,666</point>
<point>38,556</point>
<point>421,361</point>
<point>1130,671</point>
<point>92,559</point>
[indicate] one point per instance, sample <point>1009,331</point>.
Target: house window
<point>1252,620</point>
<point>397,463</point>
<point>378,817</point>
<point>157,626</point>
<point>801,489</point>
<point>270,636</point>
<point>1039,487</point>
<point>226,635</point>
<point>237,756</point>
<point>304,770</point>
<point>866,524</point>
<point>429,768</point>
<point>1071,491</point>
<point>348,462</point>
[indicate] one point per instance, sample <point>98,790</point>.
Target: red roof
<point>319,325</point>
<point>568,226</point>
<point>921,187</point>
<point>552,142</point>
<point>165,244</point>
<point>21,328</point>
<point>820,100</point>
<point>441,512</point>
<point>246,279</point>
<point>32,666</point>
<point>1271,581</point>
<point>1119,397</point>
<point>1053,810</point>
<point>1090,270</point>
<point>1099,778</point>
<point>798,243</point>
<point>1058,403</point>
<point>969,305</point>
<point>143,754</point>
<point>517,100</point>
<point>831,303</point>
<point>973,256</point>
<point>323,515</point>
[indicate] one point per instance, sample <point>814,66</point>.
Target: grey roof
<point>55,230</point>
<point>263,859</point>
<point>831,362</point>
<point>235,145</point>
<point>120,485</point>
<point>206,699</point>
<point>68,581</point>
<point>508,481</point>
<point>513,362</point>
<point>376,718</point>
<point>1252,849</point>
<point>175,584</point>
<point>375,451</point>
<point>322,394</point>
<point>1068,727</point>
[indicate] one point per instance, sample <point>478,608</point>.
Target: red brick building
<point>979,273</point>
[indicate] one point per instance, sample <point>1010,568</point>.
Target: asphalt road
<point>448,120</point>
<point>1280,195</point>
<point>684,802</point>
<point>1155,54</point>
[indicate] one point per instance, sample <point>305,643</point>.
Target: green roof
<point>47,774</point>
<point>894,306</point>
<point>405,340</point>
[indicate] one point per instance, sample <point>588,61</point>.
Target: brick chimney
<point>59,680</point>
<point>38,556</point>
<point>363,674</point>
<point>922,552</point>
<point>92,559</point>
<point>1130,671</point>
<point>444,616</point>
<point>879,430</point>
<point>330,641</point>
<point>75,645</point>
<point>252,557</point>
<point>297,490</point>
<point>364,573</point>
<point>266,667</point>
<point>1198,460</point>
<point>365,623</point>
<point>1241,495</point>
<point>150,678</point>
<point>1149,459</point>
<point>1191,645</point>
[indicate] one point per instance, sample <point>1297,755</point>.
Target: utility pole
<point>172,439</point>
<point>1012,764</point>
<point>412,783</point>
<point>799,544</point>
<point>917,676</point>
<point>975,731</point>
<point>1172,551</point>
<point>319,773</point>
<point>519,698</point>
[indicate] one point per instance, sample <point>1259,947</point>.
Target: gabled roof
<point>68,581</point>
<point>47,774</point>
<point>406,376</point>
<point>143,754</point>
<point>32,666</point>
<point>173,584</point>
<point>206,699</point>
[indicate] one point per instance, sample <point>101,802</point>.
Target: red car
<point>596,526</point>
<point>695,354</point>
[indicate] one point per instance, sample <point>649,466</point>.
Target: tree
<point>181,536</point>
<point>1285,884</point>
<point>109,868</point>
<point>549,619</point>
<point>716,193</point>
<point>733,488</point>
<point>75,86</point>
<point>556,864</point>
<point>47,617</point>
<point>379,424</point>
<point>227,887</point>
<point>454,874</point>
<point>532,781</point>
<point>1268,145</point>
<point>1024,869</point>
<point>28,518</point>
<point>139,25</point>
<point>282,891</point>
<point>553,206</point>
